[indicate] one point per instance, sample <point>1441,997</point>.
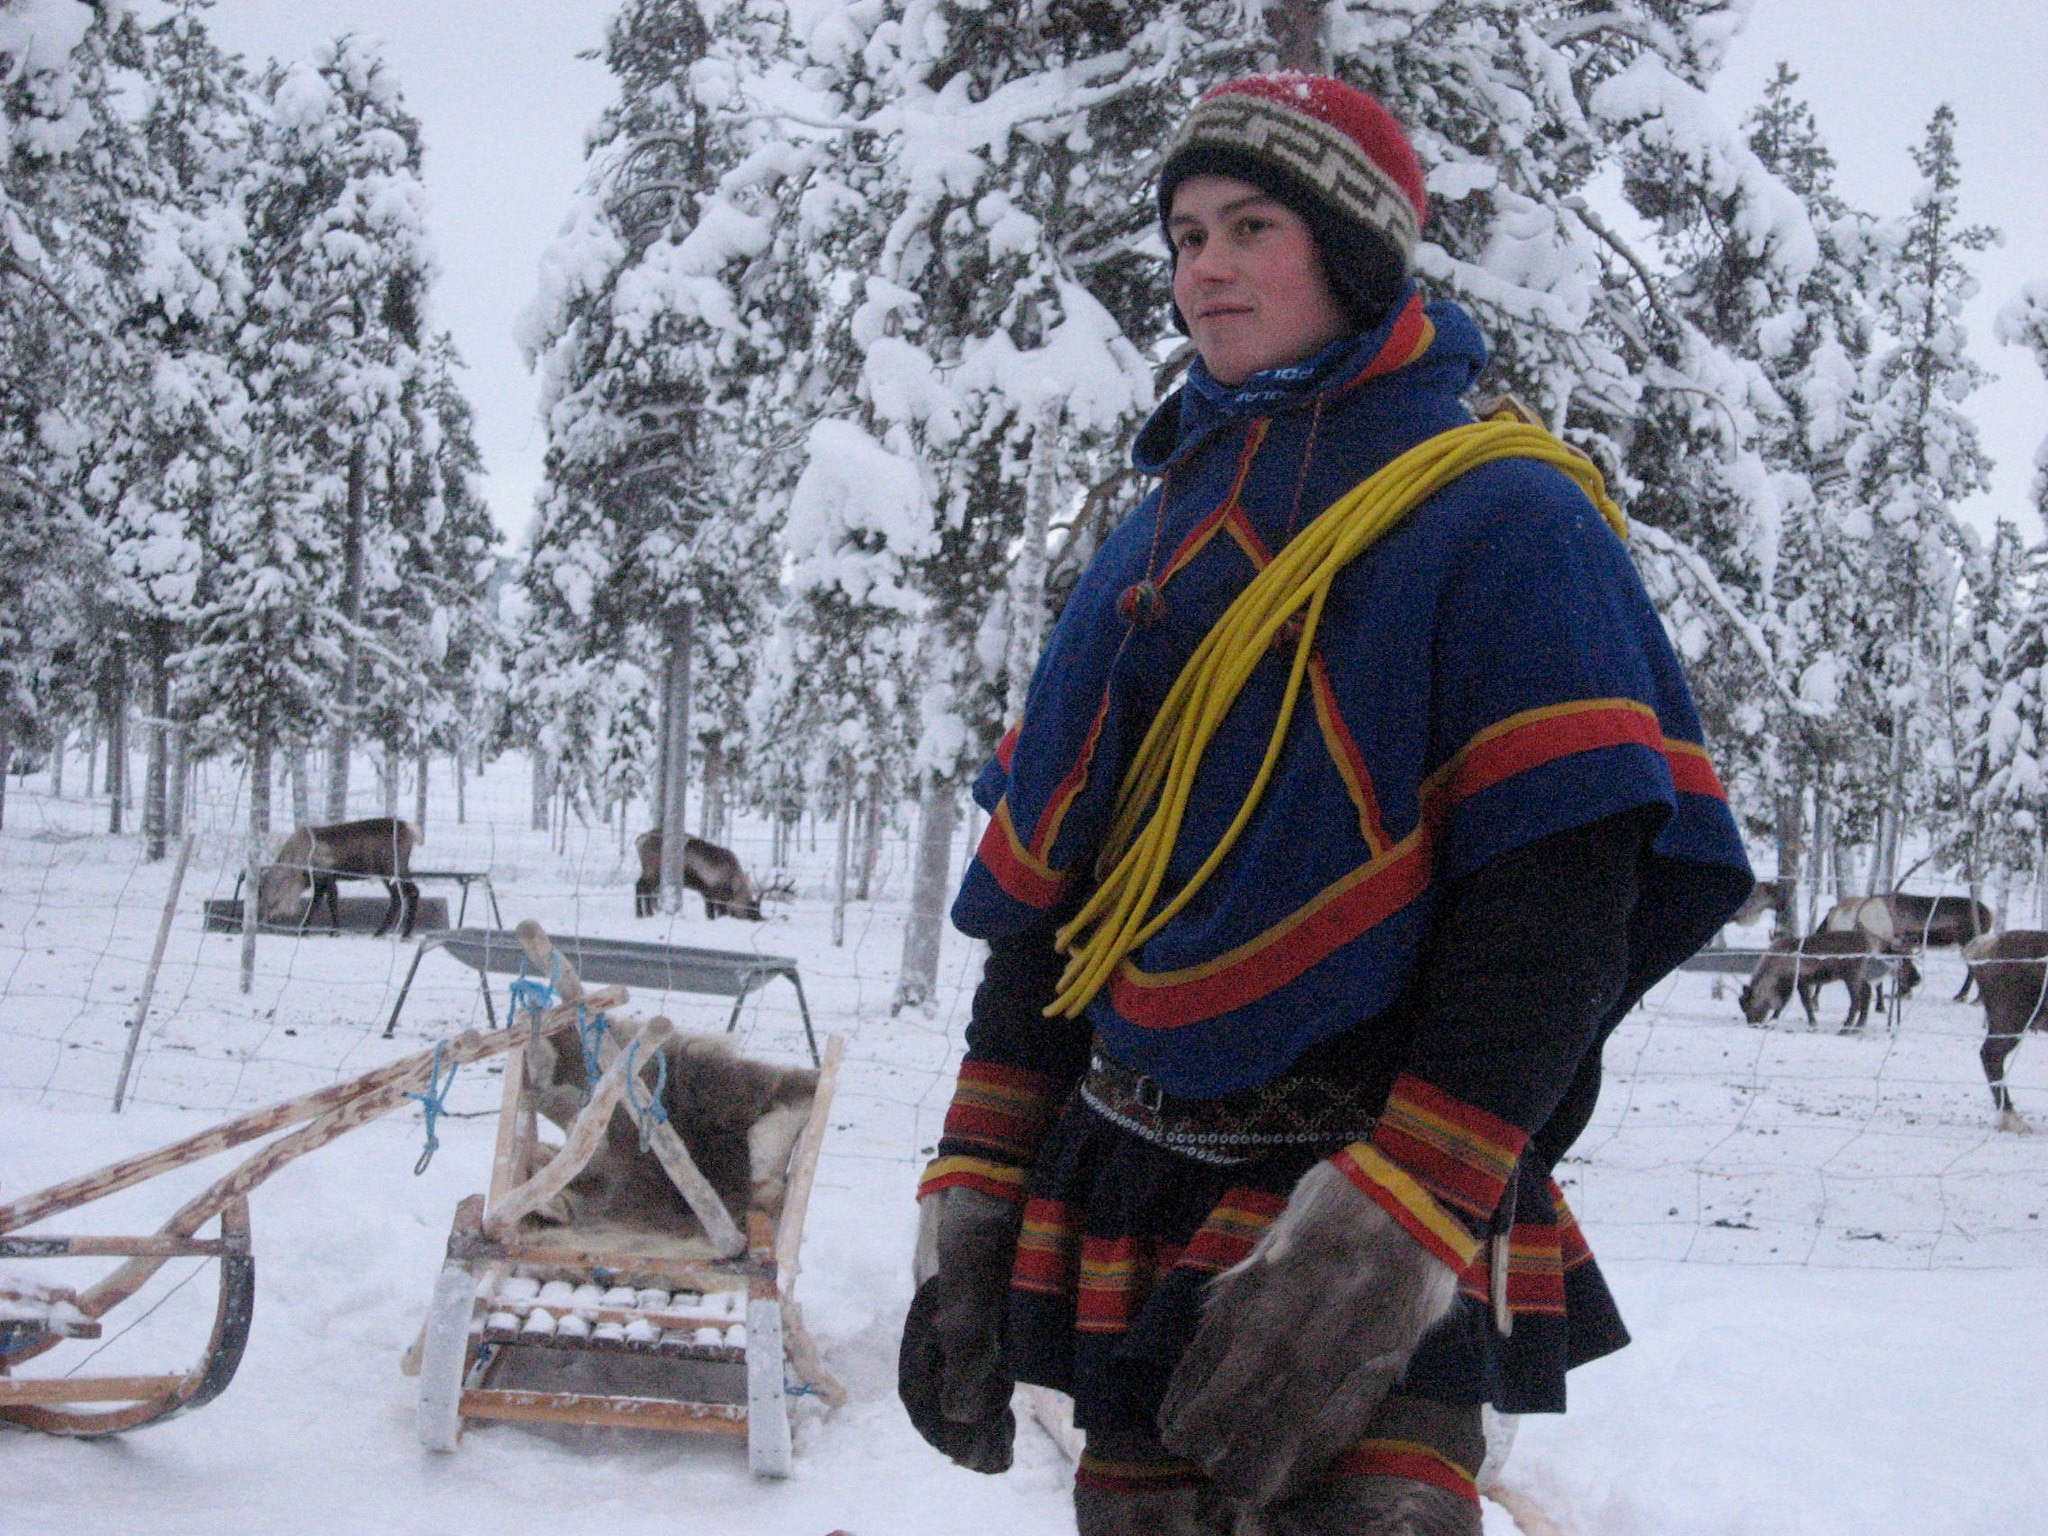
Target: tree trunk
<point>461,788</point>
<point>178,801</point>
<point>924,929</point>
<point>259,836</point>
<point>1027,576</point>
<point>871,837</point>
<point>1297,28</point>
<point>302,785</point>
<point>155,821</point>
<point>57,740</point>
<point>423,764</point>
<point>1791,853</point>
<point>712,816</point>
<point>675,734</point>
<point>839,883</point>
<point>342,744</point>
<point>92,749</point>
<point>387,779</point>
<point>543,788</point>
<point>117,735</point>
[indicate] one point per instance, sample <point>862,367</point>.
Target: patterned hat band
<point>1324,159</point>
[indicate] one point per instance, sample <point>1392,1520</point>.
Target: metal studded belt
<point>1292,1110</point>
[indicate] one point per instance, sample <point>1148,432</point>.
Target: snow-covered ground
<point>1832,1265</point>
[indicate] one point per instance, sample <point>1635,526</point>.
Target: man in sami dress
<point>1274,1200</point>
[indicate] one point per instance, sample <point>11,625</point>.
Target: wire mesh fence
<point>1715,1141</point>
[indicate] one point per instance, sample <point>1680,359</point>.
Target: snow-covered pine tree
<point>1812,351</point>
<point>179,445</point>
<point>435,635</point>
<point>340,268</point>
<point>2016,746</point>
<point>658,366</point>
<point>59,362</point>
<point>1919,457</point>
<point>2023,322</point>
<point>1986,807</point>
<point>985,212</point>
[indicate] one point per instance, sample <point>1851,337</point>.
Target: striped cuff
<point>1003,1180</point>
<point>1462,1155</point>
<point>1437,1165</point>
<point>998,1112</point>
<point>1413,1459</point>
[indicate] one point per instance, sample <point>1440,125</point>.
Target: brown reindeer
<point>2011,972</point>
<point>709,870</point>
<point>1854,959</point>
<point>1904,923</point>
<point>1772,896</point>
<point>379,847</point>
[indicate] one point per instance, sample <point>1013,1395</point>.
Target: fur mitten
<point>951,1372</point>
<point>1300,1342</point>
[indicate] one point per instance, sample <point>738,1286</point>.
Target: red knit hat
<point>1325,149</point>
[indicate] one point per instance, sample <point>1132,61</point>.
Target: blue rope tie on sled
<point>590,1029</point>
<point>536,997</point>
<point>434,1103</point>
<point>651,1112</point>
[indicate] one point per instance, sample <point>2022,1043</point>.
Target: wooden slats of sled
<point>492,1240</point>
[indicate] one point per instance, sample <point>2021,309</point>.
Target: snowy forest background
<point>838,350</point>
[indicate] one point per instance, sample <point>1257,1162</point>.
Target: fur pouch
<point>1300,1342</point>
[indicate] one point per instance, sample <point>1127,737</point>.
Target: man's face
<point>1247,279</point>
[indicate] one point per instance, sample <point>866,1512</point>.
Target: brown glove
<point>1299,1343</point>
<point>951,1372</point>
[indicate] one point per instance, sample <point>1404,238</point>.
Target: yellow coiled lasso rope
<point>1118,917</point>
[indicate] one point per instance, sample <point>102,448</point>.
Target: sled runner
<point>36,1319</point>
<point>634,1321</point>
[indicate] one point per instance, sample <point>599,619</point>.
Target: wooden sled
<point>686,1331</point>
<point>44,1319</point>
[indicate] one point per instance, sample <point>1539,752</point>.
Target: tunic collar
<point>1202,406</point>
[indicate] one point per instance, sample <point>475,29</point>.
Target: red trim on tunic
<point>1345,754</point>
<point>1411,336</point>
<point>1239,527</point>
<point>1013,866</point>
<point>1535,1271</point>
<point>1573,1249</point>
<point>1402,1196</point>
<point>1199,535</point>
<point>1006,749</point>
<point>1691,770</point>
<point>1535,738</point>
<point>1336,915</point>
<point>1048,829</point>
<point>1114,1279</point>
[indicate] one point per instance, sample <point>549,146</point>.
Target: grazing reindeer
<point>379,846</point>
<point>2011,972</point>
<point>1772,896</point>
<point>1906,923</point>
<point>709,870</point>
<point>1853,959</point>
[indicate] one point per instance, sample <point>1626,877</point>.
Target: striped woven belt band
<point>1293,1110</point>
